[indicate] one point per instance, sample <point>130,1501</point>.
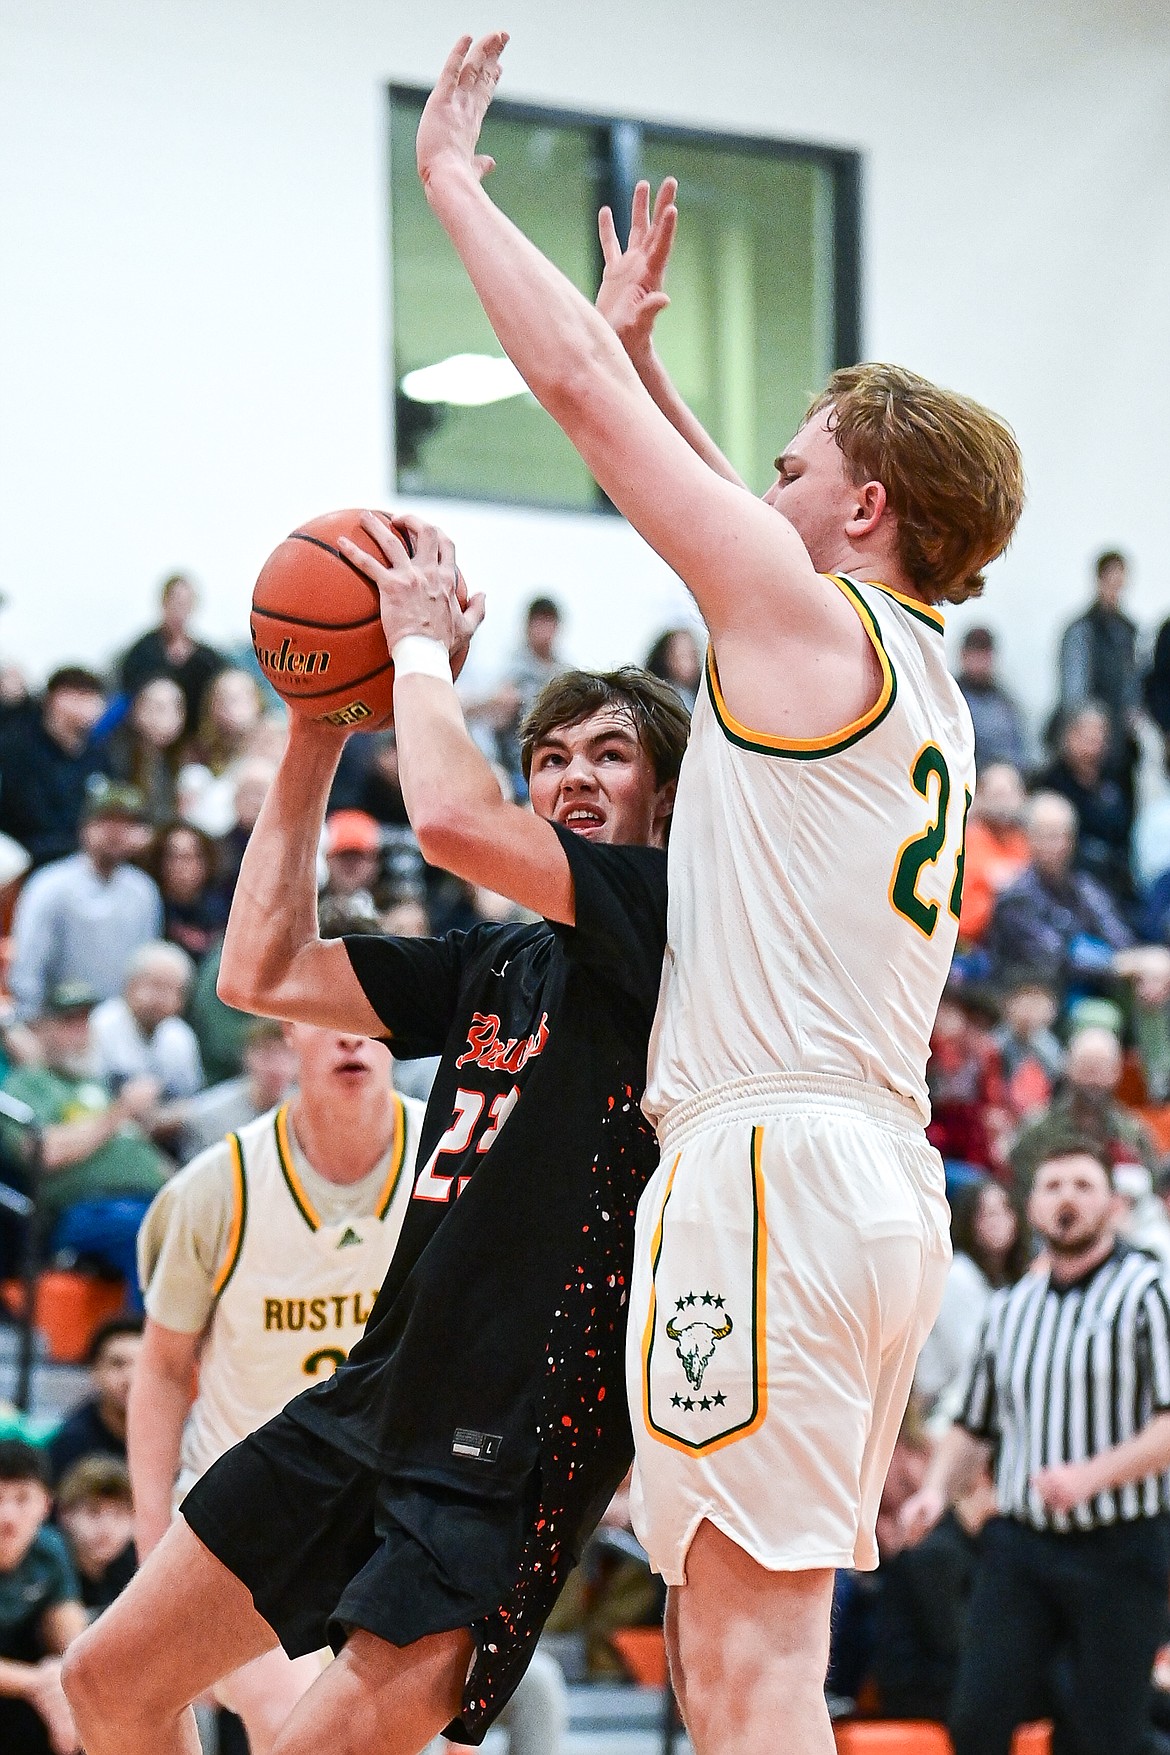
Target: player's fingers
<point>667,190</point>
<point>361,559</point>
<point>606,230</point>
<point>474,613</point>
<point>485,164</point>
<point>384,535</point>
<point>661,240</point>
<point>449,77</point>
<point>482,60</point>
<point>640,211</point>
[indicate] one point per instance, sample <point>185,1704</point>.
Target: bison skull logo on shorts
<point>694,1342</point>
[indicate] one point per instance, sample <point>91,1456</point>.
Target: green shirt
<point>128,1164</point>
<point>44,1578</point>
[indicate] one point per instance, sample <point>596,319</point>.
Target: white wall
<point>193,303</point>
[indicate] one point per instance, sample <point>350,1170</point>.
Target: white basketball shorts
<point>790,1258</point>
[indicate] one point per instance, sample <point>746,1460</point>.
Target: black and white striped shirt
<point>1062,1373</point>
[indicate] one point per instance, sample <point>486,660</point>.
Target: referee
<point>1071,1381</point>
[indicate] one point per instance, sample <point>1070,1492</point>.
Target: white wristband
<point>419,655</point>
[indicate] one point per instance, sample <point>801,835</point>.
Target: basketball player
<point>792,1247</point>
<point>422,1509</point>
<point>260,1263</point>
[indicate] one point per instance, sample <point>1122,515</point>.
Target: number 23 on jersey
<point>931,779</point>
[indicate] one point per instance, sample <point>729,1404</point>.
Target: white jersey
<point>815,885</point>
<point>293,1293</point>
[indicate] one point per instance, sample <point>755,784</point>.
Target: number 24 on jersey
<point>931,779</point>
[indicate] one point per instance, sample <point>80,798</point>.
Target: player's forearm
<point>1146,1453</point>
<point>450,790</point>
<point>274,909</point>
<point>18,1681</point>
<point>549,330</point>
<point>657,381</point>
<point>159,1404</point>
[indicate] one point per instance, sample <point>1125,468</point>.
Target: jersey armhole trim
<point>397,1158</point>
<point>288,1170</point>
<point>812,748</point>
<point>239,1218</point>
<point>923,612</point>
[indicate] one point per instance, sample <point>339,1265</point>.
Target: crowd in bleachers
<point>126,801</point>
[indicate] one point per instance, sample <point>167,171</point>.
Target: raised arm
<point>630,298</point>
<point>747,567</point>
<point>460,817</point>
<point>274,963</point>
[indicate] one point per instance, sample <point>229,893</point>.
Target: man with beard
<point>1072,1380</point>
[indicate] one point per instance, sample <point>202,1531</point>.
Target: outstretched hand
<point>420,592</point>
<point>631,296</point>
<point>448,129</point>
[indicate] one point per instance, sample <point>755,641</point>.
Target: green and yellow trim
<point>239,1218</point>
<point>288,1168</point>
<point>923,612</point>
<point>397,1158</point>
<point>759,1412</point>
<point>811,748</point>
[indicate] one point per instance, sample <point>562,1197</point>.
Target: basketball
<point>316,628</point>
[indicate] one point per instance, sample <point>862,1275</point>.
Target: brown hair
<point>951,470</point>
<point>95,1477</point>
<point>965,1238</point>
<point>659,717</point>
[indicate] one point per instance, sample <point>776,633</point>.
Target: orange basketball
<point>316,627</point>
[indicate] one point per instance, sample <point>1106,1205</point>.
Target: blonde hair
<point>951,469</point>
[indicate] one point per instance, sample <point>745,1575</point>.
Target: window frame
<point>618,141</point>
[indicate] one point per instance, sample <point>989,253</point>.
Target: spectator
<point>98,1426</point>
<point>1031,1055</point>
<point>1086,1105</point>
<point>230,717</point>
<point>99,1172</point>
<point>380,791</point>
<point>353,843</point>
<point>675,658</point>
<point>40,1611</point>
<point>1156,687</point>
<point>1104,814</point>
<point>171,650</point>
<point>996,850</point>
<point>1000,736</point>
<point>991,1249</point>
<point>141,1033</point>
<point>1098,662</point>
<point>1053,920</point>
<point>220,1029</point>
<point>968,1098</point>
<point>1072,1378</point>
<point>921,1620</point>
<point>47,763</point>
<point>251,779</point>
<point>536,663</point>
<point>1142,1219</point>
<point>95,1509</point>
<point>142,750</point>
<point>81,919</point>
<point>183,862</point>
<point>269,1071</point>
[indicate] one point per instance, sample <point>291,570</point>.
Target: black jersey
<point>495,1345</point>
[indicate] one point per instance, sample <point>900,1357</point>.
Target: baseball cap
<point>69,996</point>
<point>352,831</point>
<point>111,798</point>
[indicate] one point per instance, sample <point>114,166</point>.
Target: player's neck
<point>344,1140</point>
<point>876,566</point>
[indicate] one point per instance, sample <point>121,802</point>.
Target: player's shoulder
<point>214,1166</point>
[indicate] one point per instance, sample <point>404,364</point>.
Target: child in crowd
<point>40,1610</point>
<point>1031,1055</point>
<point>95,1509</point>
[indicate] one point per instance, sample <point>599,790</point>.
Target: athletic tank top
<point>292,1294</point>
<point>815,885</point>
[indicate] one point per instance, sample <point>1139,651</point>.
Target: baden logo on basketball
<point>282,660</point>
